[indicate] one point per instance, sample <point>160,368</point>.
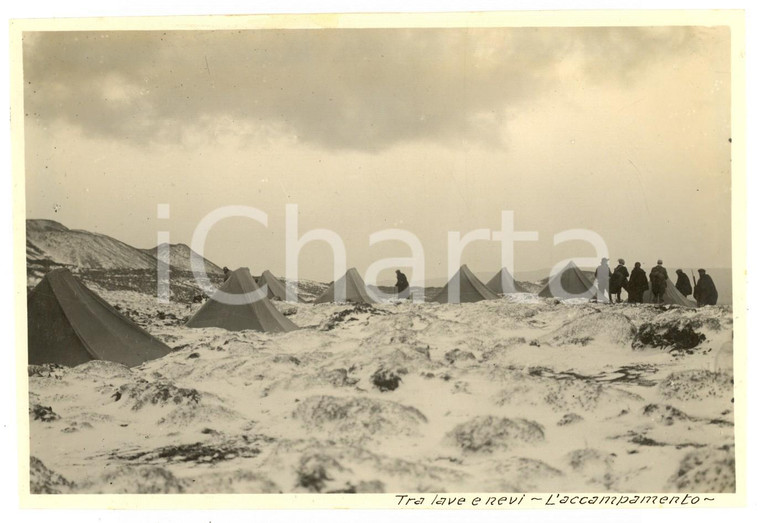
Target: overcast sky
<point>624,131</point>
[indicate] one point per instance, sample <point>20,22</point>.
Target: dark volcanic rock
<point>387,379</point>
<point>675,335</point>
<point>40,413</point>
<point>705,470</point>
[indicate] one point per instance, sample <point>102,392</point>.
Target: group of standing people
<point>636,283</point>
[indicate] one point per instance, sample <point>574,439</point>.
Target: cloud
<point>356,89</point>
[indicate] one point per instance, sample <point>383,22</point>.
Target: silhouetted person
<point>226,273</point>
<point>402,284</point>
<point>637,284</point>
<point>683,284</point>
<point>705,292</point>
<point>658,278</point>
<point>603,275</point>
<point>619,280</point>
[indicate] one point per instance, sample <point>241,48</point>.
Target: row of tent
<point>69,324</point>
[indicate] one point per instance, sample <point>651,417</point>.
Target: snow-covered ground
<point>519,394</point>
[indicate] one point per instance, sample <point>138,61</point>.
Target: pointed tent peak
<point>275,288</point>
<point>570,282</point>
<point>249,314</point>
<point>352,272</point>
<point>242,272</point>
<point>497,283</point>
<point>464,287</point>
<point>70,324</point>
<point>350,288</point>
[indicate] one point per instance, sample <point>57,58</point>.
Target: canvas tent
<point>570,282</point>
<point>672,296</point>
<point>259,314</point>
<point>504,283</point>
<point>470,289</point>
<point>275,288</point>
<point>354,287</point>
<point>69,324</point>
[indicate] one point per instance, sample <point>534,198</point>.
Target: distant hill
<point>49,242</point>
<point>180,256</point>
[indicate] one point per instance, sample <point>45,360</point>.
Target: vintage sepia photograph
<point>409,256</point>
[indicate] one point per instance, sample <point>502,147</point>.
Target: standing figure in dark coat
<point>402,285</point>
<point>603,275</point>
<point>619,280</point>
<point>226,274</point>
<point>637,284</point>
<point>705,292</point>
<point>658,278</point>
<point>683,284</point>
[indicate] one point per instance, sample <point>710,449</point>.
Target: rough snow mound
<point>101,369</point>
<point>697,384</point>
<point>329,467</point>
<point>143,392</point>
<point>665,414</point>
<point>705,470</point>
<point>42,480</point>
<point>594,465</point>
<point>562,392</point>
<point>352,417</point>
<point>612,328</point>
<point>240,481</point>
<point>520,474</point>
<point>490,433</point>
<point>135,479</point>
<point>189,415</point>
<point>332,377</point>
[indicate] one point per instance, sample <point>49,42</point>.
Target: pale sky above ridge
<point>624,131</point>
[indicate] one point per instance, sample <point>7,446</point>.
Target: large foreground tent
<point>69,324</point>
<point>464,287</point>
<point>504,283</point>
<point>349,288</point>
<point>275,288</point>
<point>672,296</point>
<point>254,314</point>
<point>570,282</point>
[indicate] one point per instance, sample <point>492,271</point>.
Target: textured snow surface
<point>517,394</point>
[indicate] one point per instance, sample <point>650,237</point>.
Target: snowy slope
<point>47,241</point>
<point>50,244</point>
<point>512,395</point>
<point>180,256</point>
